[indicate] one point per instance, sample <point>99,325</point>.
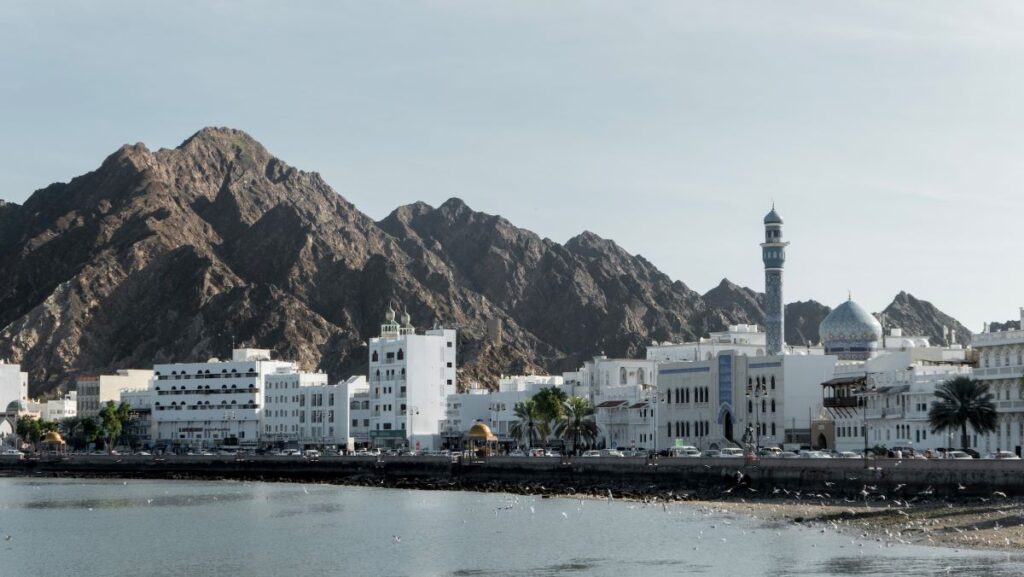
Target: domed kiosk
<point>850,332</point>
<point>480,440</point>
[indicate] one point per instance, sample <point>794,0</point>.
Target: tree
<point>90,430</point>
<point>577,423</point>
<point>28,429</point>
<point>963,400</point>
<point>528,421</point>
<point>111,423</point>
<point>550,404</point>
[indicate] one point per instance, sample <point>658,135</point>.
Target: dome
<point>481,431</point>
<point>389,316</point>
<point>772,217</point>
<point>406,319</point>
<point>850,322</point>
<point>53,437</point>
<point>16,406</point>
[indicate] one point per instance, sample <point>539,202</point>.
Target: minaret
<point>773,252</point>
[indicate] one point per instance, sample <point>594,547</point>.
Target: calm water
<point>165,528</point>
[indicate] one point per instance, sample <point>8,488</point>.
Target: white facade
<point>705,403</point>
<point>601,372</point>
<point>62,408</point>
<point>213,403</point>
<point>495,409</point>
<point>1001,364</point>
<point>891,394</point>
<point>96,390</point>
<point>742,339</point>
<point>625,416</point>
<point>13,384</point>
<point>142,429</point>
<point>303,409</point>
<point>410,378</point>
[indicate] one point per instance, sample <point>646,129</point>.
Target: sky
<point>888,135</point>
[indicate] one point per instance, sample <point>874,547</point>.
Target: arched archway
<point>822,441</point>
<point>727,425</point>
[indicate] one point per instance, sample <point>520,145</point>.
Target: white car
<point>1004,455</point>
<point>847,455</point>
<point>684,451</point>
<point>814,455</point>
<point>730,453</point>
<point>591,454</point>
<point>958,455</point>
<point>12,453</point>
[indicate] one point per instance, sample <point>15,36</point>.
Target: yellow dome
<point>481,431</point>
<point>53,437</point>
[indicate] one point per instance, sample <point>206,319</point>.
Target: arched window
<point>640,376</point>
<point>773,405</point>
<point>750,406</point>
<point>622,376</point>
<point>773,382</point>
<point>374,357</point>
<point>401,354</point>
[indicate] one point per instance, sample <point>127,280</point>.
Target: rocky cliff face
<point>918,317</point>
<point>172,255</point>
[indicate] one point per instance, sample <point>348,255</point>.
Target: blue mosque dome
<point>772,217</point>
<point>850,332</point>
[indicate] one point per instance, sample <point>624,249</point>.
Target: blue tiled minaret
<point>773,252</point>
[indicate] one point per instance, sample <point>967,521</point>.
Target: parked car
<point>516,453</point>
<point>12,453</point>
<point>684,451</point>
<point>311,454</point>
<point>611,453</point>
<point>848,455</point>
<point>711,453</point>
<point>788,455</point>
<point>960,455</point>
<point>730,453</point>
<point>1004,455</point>
<point>814,455</point>
<point>591,453</point>
<point>770,452</point>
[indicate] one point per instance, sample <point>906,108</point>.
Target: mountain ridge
<point>173,254</point>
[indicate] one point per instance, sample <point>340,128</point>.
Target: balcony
<point>841,402</point>
<point>889,413</point>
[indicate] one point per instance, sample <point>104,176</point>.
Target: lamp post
<point>756,389</point>
<point>864,391</point>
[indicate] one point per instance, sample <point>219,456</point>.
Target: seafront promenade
<point>669,478</point>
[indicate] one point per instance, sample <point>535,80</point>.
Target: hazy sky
<point>890,135</point>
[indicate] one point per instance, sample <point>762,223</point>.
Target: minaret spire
<point>773,253</point>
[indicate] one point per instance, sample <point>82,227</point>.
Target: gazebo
<point>53,442</point>
<point>480,440</point>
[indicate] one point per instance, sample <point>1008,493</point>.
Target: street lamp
<point>756,389</point>
<point>863,393</point>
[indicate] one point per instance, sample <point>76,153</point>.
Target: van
<point>311,454</point>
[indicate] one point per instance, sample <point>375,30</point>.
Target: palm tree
<point>963,400</point>
<point>528,423</point>
<point>577,422</point>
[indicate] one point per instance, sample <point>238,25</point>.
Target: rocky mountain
<point>173,255</point>
<point>918,317</point>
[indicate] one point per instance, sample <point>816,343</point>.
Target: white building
<point>625,416</point>
<point>1001,364</point>
<point>495,409</point>
<point>62,408</point>
<point>141,430</point>
<point>410,378</point>
<point>302,409</point>
<point>13,384</point>
<point>94,391</point>
<point>741,339</point>
<point>705,403</point>
<point>213,403</point>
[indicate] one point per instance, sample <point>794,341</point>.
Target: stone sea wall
<point>635,477</point>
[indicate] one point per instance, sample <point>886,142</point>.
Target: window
<point>449,344</point>
<point>773,405</point>
<point>622,376</point>
<point>401,354</point>
<point>773,382</point>
<point>449,365</point>
<point>374,357</point>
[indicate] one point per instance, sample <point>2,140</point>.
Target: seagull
<point>564,514</point>
<point>396,538</point>
<point>7,538</point>
<point>999,494</point>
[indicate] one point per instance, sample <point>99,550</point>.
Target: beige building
<point>94,391</point>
